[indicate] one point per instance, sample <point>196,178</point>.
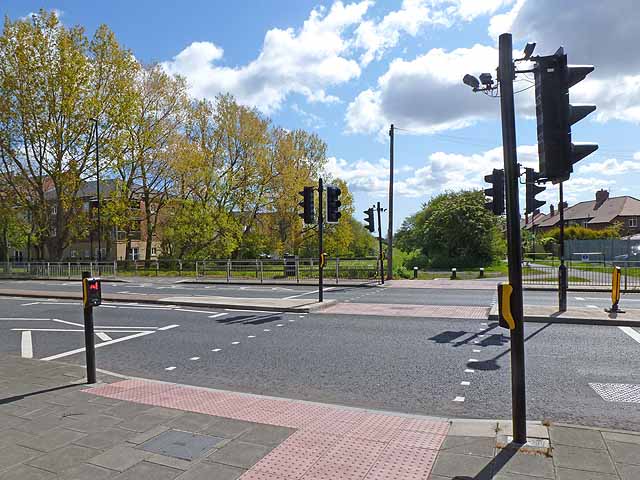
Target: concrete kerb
<point>328,283</point>
<point>307,308</point>
<point>569,318</point>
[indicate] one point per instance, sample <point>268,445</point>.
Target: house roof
<point>88,189</point>
<point>534,220</point>
<point>610,209</point>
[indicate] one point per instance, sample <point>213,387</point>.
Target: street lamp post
<point>99,256</point>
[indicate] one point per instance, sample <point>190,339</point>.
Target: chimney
<point>601,197</point>
<point>552,210</point>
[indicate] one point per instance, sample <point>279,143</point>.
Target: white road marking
<point>292,320</point>
<point>235,343</point>
<point>473,359</point>
<point>73,330</point>
<point>170,368</point>
<point>580,299</point>
<point>169,327</point>
<point>468,370</point>
<point>218,315</point>
<point>250,311</point>
<point>300,316</point>
<point>216,349</point>
<point>475,350</point>
<point>592,306</point>
<point>194,358</point>
<point>465,383</point>
<point>25,318</point>
<point>251,336</point>
<point>167,309</point>
<point>299,295</point>
<point>458,399</point>
<point>67,322</point>
<point>266,330</point>
<point>27,304</point>
<point>279,325</point>
<point>191,311</point>
<point>98,345</point>
<point>26,346</point>
<point>124,293</point>
<point>631,332</point>
<point>103,336</point>
<point>483,323</point>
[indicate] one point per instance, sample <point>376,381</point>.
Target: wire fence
<point>286,270</point>
<point>582,274</point>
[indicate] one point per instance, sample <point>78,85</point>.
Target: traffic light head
<point>308,213</point>
<point>368,219</point>
<point>91,292</point>
<point>555,115</point>
<point>532,189</point>
<point>496,192</point>
<point>333,204</point>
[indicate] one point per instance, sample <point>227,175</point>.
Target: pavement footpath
<point>53,426</point>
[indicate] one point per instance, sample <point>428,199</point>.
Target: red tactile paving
<point>405,310</point>
<point>331,443</point>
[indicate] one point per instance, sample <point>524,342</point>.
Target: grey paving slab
<point>26,472</point>
<point>63,458</point>
<point>577,437</point>
<point>192,422</point>
<point>12,437</point>
<point>105,438</point>
<point>479,446</point>
<point>127,410</point>
<point>621,437</point>
<point>451,465</point>
<point>91,423</point>
<point>169,461</point>
<point>42,424</point>
<point>526,464</point>
<point>583,459</point>
<point>120,458</point>
<point>268,435</point>
<point>512,476</point>
<point>86,471</point>
<point>183,445</point>
<point>239,454</point>
<point>567,474</point>
<point>629,472</point>
<point>473,428</point>
<point>144,422</point>
<point>624,452</point>
<point>228,428</point>
<point>149,470</point>
<point>142,437</point>
<point>52,439</point>
<point>210,471</point>
<point>15,454</point>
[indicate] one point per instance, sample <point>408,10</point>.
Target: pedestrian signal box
<point>91,292</point>
<point>505,318</point>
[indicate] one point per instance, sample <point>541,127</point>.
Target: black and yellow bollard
<point>615,291</point>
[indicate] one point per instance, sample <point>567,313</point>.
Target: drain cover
<point>617,392</point>
<point>184,445</point>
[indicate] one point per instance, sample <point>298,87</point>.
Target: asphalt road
<point>373,294</point>
<point>393,363</point>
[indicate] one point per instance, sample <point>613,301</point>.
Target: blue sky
<point>348,70</point>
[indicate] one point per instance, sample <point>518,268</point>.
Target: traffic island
<point>576,316</point>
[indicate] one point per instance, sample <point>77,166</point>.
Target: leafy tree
<point>454,229</point>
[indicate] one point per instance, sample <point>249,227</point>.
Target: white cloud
<point>425,94</point>
<point>361,175</point>
<point>305,61</point>
<point>612,166</point>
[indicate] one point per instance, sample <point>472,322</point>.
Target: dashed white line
<point>592,306</point>
<point>194,358</point>
<point>169,327</point>
<point>292,320</point>
<point>170,368</point>
<point>473,360</point>
<point>190,311</point>
<point>581,299</point>
<point>235,343</point>
<point>280,325</point>
<point>251,336</point>
<point>266,330</point>
<point>465,383</point>
<point>216,349</point>
<point>458,399</point>
<point>103,336</point>
<point>476,350</point>
<point>468,370</point>
<point>218,315</point>
<point>26,347</point>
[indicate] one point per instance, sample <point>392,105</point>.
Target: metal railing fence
<point>583,274</point>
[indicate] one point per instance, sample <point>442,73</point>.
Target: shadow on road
<point>15,398</point>
<point>249,319</point>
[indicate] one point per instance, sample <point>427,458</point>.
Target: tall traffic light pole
<point>506,72</point>
<point>390,231</point>
<point>380,244</point>
<point>563,279</point>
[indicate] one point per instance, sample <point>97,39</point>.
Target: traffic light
<point>308,213</point>
<point>91,292</point>
<point>531,178</point>
<point>496,192</point>
<point>555,115</point>
<point>333,204</point>
<point>369,219</point>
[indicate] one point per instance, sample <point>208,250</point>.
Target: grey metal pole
<point>99,256</point>
<point>518,398</point>
<point>320,246</point>
<point>562,269</point>
<point>380,244</point>
<point>390,231</point>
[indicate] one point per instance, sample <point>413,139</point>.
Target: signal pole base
<point>614,309</point>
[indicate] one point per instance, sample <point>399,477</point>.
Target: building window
<point>134,253</point>
<point>632,222</point>
<point>54,210</point>
<point>74,253</point>
<point>153,250</point>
